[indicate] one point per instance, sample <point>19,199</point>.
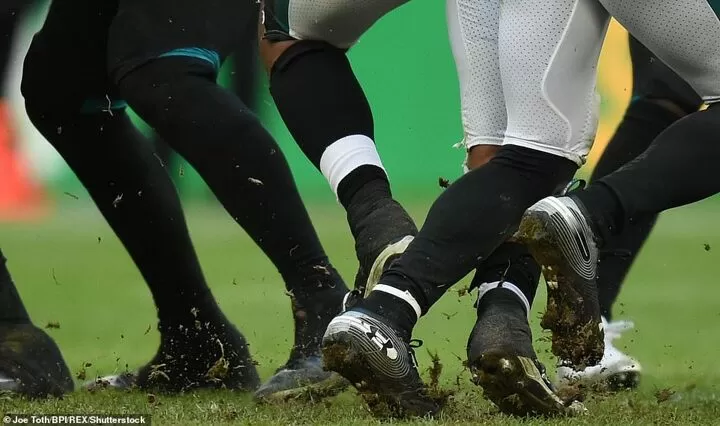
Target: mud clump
<point>573,340</point>
<point>435,370</point>
<point>439,395</point>
<point>571,392</point>
<point>664,395</point>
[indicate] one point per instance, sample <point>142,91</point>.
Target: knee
<point>271,51</point>
<point>56,91</point>
<point>279,56</point>
<point>181,100</point>
<point>278,48</point>
<point>157,83</point>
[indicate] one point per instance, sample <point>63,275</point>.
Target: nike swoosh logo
<point>580,239</point>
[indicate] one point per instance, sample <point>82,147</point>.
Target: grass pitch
<point>75,275</point>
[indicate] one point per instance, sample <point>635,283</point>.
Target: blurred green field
<point>71,270</point>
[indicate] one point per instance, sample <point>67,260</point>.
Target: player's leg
<point>326,111</point>
<point>506,297</point>
<point>68,99</point>
<point>659,98</point>
<point>30,361</point>
<point>677,168</point>
<point>167,74</point>
<point>244,78</point>
<point>546,139</point>
<point>244,84</point>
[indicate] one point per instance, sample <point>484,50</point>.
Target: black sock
<point>362,188</point>
<point>134,193</point>
<point>511,262</point>
<point>318,97</point>
<point>313,312</point>
<point>12,309</point>
<point>473,217</point>
<point>677,169</point>
<point>398,312</point>
<point>365,199</point>
<point>240,161</point>
<point>321,102</point>
<point>644,120</point>
<point>504,298</point>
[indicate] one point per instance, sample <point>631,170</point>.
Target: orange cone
<point>20,198</point>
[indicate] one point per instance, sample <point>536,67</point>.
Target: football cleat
<point>31,364</point>
<point>503,362</point>
<point>220,360</point>
<point>301,379</point>
<point>378,362</point>
<point>560,238</point>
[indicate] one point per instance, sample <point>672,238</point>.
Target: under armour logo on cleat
<point>383,343</point>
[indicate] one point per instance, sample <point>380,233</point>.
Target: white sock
<point>484,288</point>
<point>404,295</point>
<point>346,155</point>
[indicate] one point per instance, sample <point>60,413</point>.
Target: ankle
<point>504,294</point>
<point>398,307</point>
<point>602,209</point>
<point>314,284</point>
<point>368,199</point>
<point>364,186</point>
<point>204,310</point>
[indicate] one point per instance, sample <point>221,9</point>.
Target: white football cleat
<point>616,370</point>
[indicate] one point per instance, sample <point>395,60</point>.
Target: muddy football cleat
<point>616,371</point>
<point>379,363</point>
<point>31,364</point>
<point>304,379</point>
<point>519,386</point>
<point>303,376</point>
<point>380,237</point>
<point>503,362</point>
<point>210,355</point>
<point>560,238</point>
